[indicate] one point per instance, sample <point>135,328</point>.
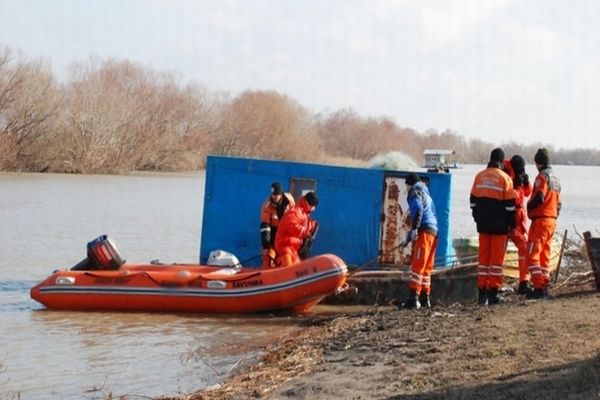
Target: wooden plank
<point>560,255</point>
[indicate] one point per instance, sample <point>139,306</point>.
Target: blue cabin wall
<point>349,209</point>
<point>440,188</point>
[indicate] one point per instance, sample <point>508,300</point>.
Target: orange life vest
<point>295,226</point>
<point>271,214</point>
<point>545,199</point>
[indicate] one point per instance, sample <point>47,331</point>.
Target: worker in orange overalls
<point>295,227</point>
<point>515,168</point>
<point>423,234</point>
<point>271,213</point>
<point>543,209</point>
<point>493,208</point>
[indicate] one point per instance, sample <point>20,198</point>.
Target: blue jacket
<point>421,208</point>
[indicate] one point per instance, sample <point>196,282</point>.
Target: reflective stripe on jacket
<point>270,216</point>
<point>493,201</point>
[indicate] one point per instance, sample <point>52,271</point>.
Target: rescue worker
<point>515,168</point>
<point>493,208</point>
<point>295,226</point>
<point>423,235</point>
<point>543,209</point>
<point>271,213</point>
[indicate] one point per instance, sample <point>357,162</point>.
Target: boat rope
<point>249,259</point>
<point>400,246</point>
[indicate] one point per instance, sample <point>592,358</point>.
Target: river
<point>45,222</point>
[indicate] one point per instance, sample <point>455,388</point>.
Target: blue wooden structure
<point>354,205</point>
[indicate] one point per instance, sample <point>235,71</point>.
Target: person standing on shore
<point>271,213</point>
<point>543,209</point>
<point>423,235</point>
<point>515,168</point>
<point>493,208</point>
<point>295,226</point>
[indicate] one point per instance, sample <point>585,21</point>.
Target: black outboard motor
<point>102,254</point>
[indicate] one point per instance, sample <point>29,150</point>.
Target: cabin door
<point>395,222</point>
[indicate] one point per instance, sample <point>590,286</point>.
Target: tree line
<point>114,116</point>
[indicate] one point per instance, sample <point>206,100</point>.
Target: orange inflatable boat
<point>188,288</point>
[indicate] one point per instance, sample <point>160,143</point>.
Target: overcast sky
<point>520,70</point>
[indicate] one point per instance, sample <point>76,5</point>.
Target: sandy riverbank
<point>522,349</point>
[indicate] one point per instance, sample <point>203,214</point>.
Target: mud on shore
<point>521,349</point>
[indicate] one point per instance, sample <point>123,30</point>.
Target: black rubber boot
<point>482,299</point>
<point>424,300</point>
<point>412,302</point>
<point>524,287</point>
<point>538,294</point>
<point>493,297</point>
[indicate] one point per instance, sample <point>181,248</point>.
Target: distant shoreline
<point>355,164</point>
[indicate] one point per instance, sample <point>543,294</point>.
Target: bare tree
<point>27,103</point>
<point>346,134</point>
<point>201,119</point>
<point>119,116</point>
<point>270,125</point>
<point>116,116</point>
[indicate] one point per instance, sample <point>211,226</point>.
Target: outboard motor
<point>102,254</point>
<point>222,258</point>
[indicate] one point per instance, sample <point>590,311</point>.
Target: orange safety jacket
<point>295,226</point>
<point>493,201</point>
<point>522,192</point>
<point>270,216</point>
<point>545,199</point>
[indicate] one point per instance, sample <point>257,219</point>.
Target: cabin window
<point>300,186</point>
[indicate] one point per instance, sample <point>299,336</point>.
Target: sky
<point>526,71</point>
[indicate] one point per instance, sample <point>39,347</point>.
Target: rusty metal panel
<point>395,222</point>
